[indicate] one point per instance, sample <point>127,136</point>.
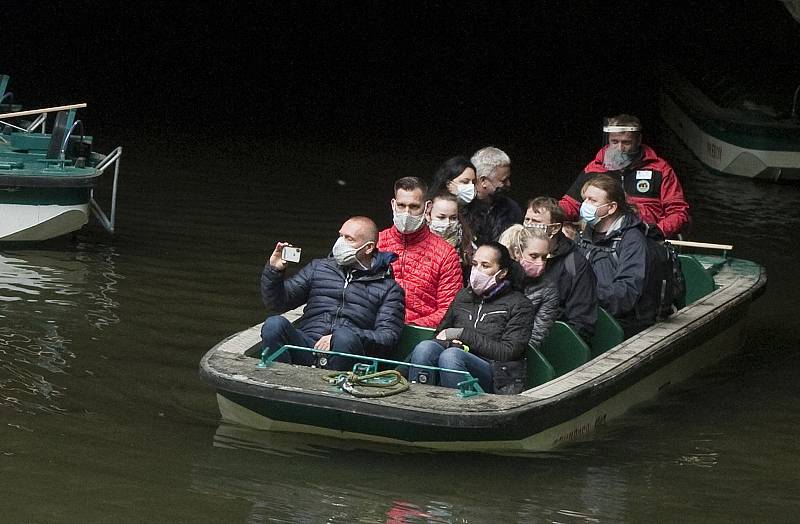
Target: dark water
<point>104,416</point>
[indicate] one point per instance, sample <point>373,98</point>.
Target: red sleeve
<point>675,217</point>
<point>450,284</point>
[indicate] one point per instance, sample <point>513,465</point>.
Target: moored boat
<point>47,180</point>
<point>574,386</point>
<point>730,133</point>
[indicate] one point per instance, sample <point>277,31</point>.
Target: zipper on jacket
<point>478,314</point>
<point>347,278</point>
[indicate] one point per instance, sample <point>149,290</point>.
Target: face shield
<point>623,145</point>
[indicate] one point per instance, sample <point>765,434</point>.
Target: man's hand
<point>275,259</point>
<point>324,343</point>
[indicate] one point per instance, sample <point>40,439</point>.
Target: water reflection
<point>46,299</point>
<point>313,479</point>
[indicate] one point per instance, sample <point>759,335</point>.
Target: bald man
<point>352,303</point>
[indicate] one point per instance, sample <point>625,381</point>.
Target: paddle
<point>45,110</point>
<point>723,247</point>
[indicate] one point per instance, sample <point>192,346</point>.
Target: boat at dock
<point>48,179</point>
<point>730,129</point>
<point>574,386</point>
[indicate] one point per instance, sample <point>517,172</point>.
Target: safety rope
<point>381,384</point>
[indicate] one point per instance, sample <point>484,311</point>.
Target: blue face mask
<point>589,213</point>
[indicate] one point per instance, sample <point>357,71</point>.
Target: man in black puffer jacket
<point>353,304</point>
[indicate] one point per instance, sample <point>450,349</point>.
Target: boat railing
<point>38,122</point>
<point>469,387</point>
<point>63,151</point>
<point>106,220</point>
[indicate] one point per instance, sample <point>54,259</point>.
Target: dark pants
<point>277,332</point>
<point>431,353</point>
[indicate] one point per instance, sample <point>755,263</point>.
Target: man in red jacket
<point>427,267</point>
<point>648,180</point>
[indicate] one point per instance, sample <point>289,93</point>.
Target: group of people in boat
<point>464,258</point>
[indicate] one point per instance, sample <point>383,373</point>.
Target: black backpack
<point>666,278</point>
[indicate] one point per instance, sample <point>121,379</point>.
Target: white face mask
<point>465,193</point>
<point>346,255</point>
<point>406,222</point>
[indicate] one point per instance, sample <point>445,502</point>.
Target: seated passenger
<point>445,221</point>
<point>574,277</point>
<point>427,267</point>
<point>487,327</point>
<point>456,176</point>
<point>530,247</point>
<point>353,305</point>
<point>492,211</point>
<point>613,241</point>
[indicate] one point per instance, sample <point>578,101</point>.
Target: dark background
<point>500,73</point>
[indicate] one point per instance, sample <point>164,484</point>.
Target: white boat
<point>732,134</point>
<point>47,180</point>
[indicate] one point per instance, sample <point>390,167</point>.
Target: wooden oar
<point>45,110</point>
<point>723,247</point>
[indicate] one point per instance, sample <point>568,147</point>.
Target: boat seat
<point>61,126</point>
<point>411,336</point>
<point>607,333</point>
<point>564,349</point>
<point>539,369</point>
<point>699,281</point>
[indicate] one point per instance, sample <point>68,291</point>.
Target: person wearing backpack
<point>614,242</point>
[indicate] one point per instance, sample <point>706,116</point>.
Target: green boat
<point>47,180</point>
<point>574,386</point>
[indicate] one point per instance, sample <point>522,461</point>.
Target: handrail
<point>63,150</point>
<point>43,110</point>
<point>108,223</point>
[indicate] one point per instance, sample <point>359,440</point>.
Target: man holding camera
<point>352,303</point>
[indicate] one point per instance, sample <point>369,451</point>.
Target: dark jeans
<point>431,353</point>
<point>277,332</point>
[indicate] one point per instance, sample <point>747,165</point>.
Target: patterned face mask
<point>450,231</point>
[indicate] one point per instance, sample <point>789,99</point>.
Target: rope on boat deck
<point>385,383</point>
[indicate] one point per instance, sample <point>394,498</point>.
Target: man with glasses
<point>566,267</point>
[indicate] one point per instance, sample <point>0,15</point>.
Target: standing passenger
<point>573,275</point>
<point>427,267</point>
<point>492,211</point>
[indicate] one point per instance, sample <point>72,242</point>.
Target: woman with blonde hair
<point>530,248</point>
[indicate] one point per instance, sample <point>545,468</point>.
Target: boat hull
<point>295,399</point>
<point>725,141</point>
<point>36,214</point>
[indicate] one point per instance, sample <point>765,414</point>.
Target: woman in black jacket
<point>485,330</point>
